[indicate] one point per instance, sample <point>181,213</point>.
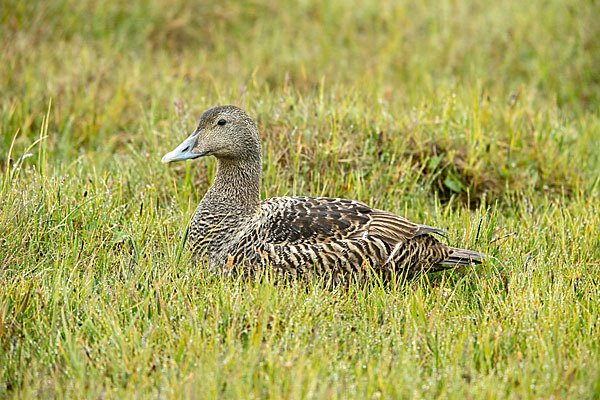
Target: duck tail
<point>464,257</point>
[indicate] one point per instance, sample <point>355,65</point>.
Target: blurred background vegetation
<point>481,96</point>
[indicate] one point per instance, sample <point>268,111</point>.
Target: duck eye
<point>222,122</point>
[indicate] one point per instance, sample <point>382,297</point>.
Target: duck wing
<point>299,219</point>
<point>342,235</point>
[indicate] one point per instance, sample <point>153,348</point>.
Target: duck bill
<point>184,150</point>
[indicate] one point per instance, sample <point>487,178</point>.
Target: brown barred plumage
<point>233,230</point>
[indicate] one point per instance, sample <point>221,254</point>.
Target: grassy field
<point>481,118</point>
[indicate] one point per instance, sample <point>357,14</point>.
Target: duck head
<point>225,132</point>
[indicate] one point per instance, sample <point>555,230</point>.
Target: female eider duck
<point>233,229</point>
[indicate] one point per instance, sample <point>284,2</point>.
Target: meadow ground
<point>481,118</point>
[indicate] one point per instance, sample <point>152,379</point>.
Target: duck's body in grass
<point>298,236</point>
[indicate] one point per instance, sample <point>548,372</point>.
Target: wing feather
<point>341,235</point>
<point>322,219</point>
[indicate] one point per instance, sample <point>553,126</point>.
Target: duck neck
<point>236,186</point>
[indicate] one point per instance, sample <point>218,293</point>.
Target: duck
<point>235,231</point>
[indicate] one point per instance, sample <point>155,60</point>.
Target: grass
<point>479,118</point>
